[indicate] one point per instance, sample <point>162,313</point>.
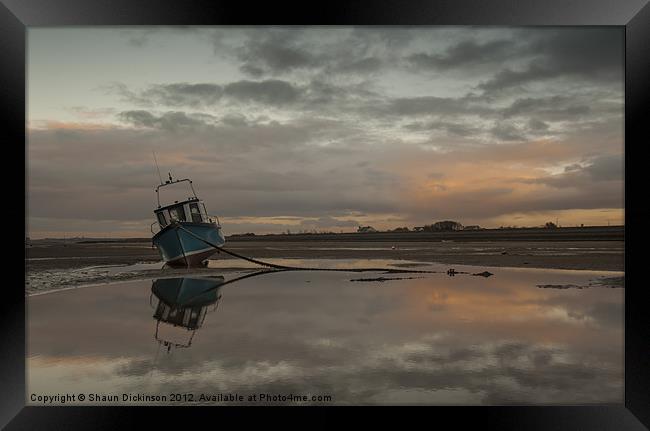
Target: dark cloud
<point>593,54</point>
<point>318,95</point>
<point>452,128</point>
<point>606,168</point>
<point>140,118</point>
<point>235,120</point>
<point>507,132</point>
<point>171,121</point>
<point>184,94</point>
<point>252,70</point>
<point>467,53</point>
<point>509,78</point>
<point>272,92</point>
<point>586,175</point>
<point>553,108</point>
<point>536,125</point>
<point>589,52</point>
<point>431,105</point>
<point>355,51</point>
<point>363,66</point>
<point>275,52</point>
<point>326,98</point>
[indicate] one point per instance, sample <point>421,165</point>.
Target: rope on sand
<point>450,272</point>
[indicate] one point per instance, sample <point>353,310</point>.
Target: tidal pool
<point>319,338</point>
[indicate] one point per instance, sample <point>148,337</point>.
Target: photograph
<point>325,215</point>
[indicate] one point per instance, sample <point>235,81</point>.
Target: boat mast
<point>157,168</point>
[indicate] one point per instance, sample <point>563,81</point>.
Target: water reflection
<point>184,303</point>
<point>433,339</point>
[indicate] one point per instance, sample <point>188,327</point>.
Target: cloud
<point>509,78</point>
<point>507,132</point>
<point>327,222</point>
<point>126,95</point>
<point>431,105</point>
<point>592,54</point>
<point>589,174</point>
<point>323,122</point>
<point>466,54</point>
<point>272,92</point>
<point>274,52</point>
<point>235,120</point>
<point>364,66</point>
<point>554,108</point>
<point>319,51</point>
<point>535,124</point>
<point>282,170</point>
<point>451,128</point>
<point>606,168</point>
<point>171,121</point>
<point>184,94</point>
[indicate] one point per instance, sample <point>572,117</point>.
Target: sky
<point>325,128</point>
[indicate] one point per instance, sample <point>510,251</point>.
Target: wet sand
<point>566,254</point>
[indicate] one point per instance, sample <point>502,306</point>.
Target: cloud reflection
<point>435,340</point>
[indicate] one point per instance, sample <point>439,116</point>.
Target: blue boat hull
<point>179,248</point>
<point>187,292</point>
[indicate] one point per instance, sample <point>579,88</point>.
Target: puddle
<point>408,339</point>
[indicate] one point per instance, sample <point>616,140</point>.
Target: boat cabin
<point>188,317</point>
<point>190,210</point>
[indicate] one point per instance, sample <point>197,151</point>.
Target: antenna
<point>157,168</point>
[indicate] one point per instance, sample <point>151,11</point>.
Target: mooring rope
<point>295,268</point>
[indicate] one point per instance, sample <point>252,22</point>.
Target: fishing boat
<point>185,229</point>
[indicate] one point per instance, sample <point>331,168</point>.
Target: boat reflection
<point>183,303</point>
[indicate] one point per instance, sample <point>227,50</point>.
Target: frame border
<point>633,15</point>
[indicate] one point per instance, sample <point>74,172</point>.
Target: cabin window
<point>162,221</point>
<point>196,213</point>
<point>177,213</point>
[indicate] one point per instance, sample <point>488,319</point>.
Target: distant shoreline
<point>587,233</point>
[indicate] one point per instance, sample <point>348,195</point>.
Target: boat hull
<point>179,248</point>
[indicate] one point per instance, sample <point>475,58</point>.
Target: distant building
<point>472,227</point>
<point>446,226</point>
<point>418,228</point>
<point>366,229</point>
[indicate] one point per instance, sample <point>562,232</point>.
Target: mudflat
<point>571,248</point>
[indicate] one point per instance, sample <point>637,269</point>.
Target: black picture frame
<point>634,16</point>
